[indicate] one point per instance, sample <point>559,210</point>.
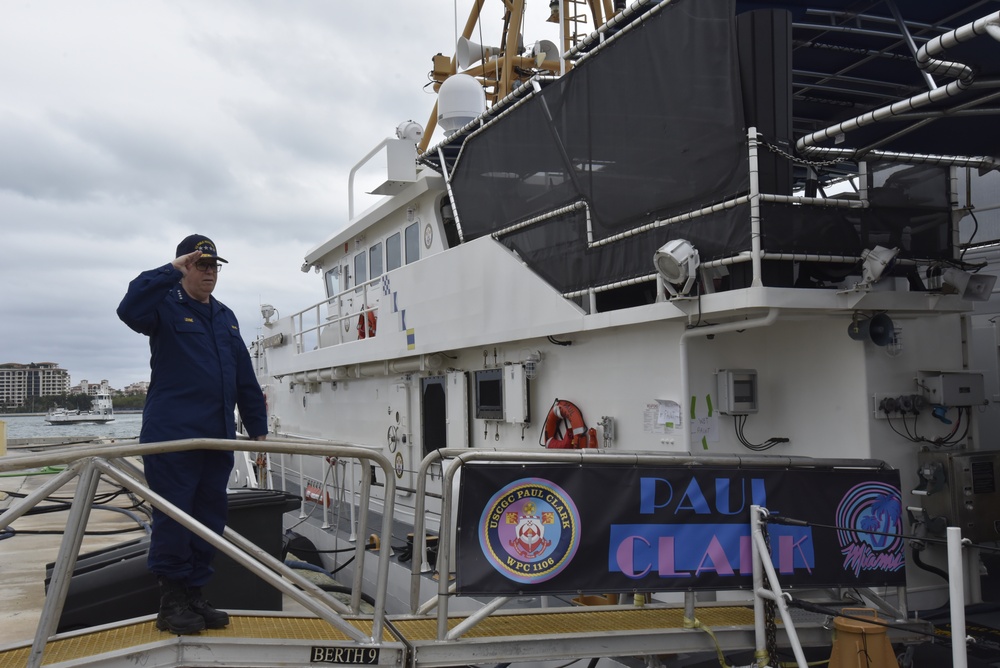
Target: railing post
<point>763,557</point>
<point>362,545</point>
<point>62,573</point>
<point>956,589</point>
<point>760,633</point>
<point>754,207</point>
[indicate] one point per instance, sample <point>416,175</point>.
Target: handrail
<point>90,461</point>
<point>762,567</point>
<point>299,329</point>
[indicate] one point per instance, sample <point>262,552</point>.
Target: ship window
<point>375,259</point>
<point>333,281</point>
<point>393,253</point>
<point>360,269</point>
<point>412,233</point>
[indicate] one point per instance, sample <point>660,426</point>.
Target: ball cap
<point>198,242</point>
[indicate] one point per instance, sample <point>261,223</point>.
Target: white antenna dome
<point>460,101</point>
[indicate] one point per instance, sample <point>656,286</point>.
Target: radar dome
<point>460,100</point>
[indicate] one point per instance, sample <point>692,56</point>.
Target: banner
<point>557,528</point>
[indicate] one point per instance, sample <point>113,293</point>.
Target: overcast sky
<point>126,125</point>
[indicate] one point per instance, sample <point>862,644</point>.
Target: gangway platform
<point>257,640</point>
<point>339,634</point>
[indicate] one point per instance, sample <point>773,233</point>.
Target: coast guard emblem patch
<point>530,530</point>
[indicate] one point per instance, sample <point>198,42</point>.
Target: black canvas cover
<point>651,126</point>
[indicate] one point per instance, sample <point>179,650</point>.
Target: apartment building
<point>20,382</point>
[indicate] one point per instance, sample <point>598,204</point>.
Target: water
<point>126,425</point>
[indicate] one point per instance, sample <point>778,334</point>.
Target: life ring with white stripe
<point>369,318</point>
<point>565,429</point>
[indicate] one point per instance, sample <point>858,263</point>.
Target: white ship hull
<point>459,313</point>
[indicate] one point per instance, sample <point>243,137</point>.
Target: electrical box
<point>964,488</point>
<point>737,391</point>
<point>489,394</point>
<point>954,388</point>
<point>515,391</point>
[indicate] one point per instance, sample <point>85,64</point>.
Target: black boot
<point>175,615</point>
<point>214,619</point>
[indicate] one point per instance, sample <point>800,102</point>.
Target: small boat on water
<point>101,411</point>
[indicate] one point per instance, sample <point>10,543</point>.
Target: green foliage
<point>73,402</point>
<point>129,402</point>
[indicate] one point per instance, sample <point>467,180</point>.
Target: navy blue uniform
<point>200,372</point>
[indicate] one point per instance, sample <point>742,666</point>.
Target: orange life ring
<point>371,319</point>
<point>565,429</point>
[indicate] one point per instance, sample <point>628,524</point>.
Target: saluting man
<point>200,372</point>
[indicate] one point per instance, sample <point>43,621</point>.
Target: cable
<point>739,421</point>
<point>831,612</point>
<point>975,231</point>
<point>927,567</point>
<point>781,519</point>
<point>941,441</point>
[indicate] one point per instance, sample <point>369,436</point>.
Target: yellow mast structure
<point>499,74</point>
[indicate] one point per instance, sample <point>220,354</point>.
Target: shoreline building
<point>91,389</point>
<point>19,383</point>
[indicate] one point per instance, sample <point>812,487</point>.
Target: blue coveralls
<point>200,372</point>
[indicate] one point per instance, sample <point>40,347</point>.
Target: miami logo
<point>869,518</point>
<point>530,530</point>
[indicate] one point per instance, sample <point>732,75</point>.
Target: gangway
<point>334,633</point>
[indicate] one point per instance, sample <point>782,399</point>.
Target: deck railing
<point>311,324</point>
<point>453,460</point>
<point>89,463</point>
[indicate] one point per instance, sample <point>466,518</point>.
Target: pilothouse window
<point>333,282</point>
<point>360,268</point>
<point>412,233</point>
<point>393,252</point>
<point>375,260</point>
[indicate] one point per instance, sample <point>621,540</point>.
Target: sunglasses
<point>206,266</point>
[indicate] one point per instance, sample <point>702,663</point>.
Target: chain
<point>770,610</point>
<point>801,161</point>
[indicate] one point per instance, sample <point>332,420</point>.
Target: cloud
<point>126,126</point>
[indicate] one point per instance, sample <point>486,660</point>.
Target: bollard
<point>861,644</point>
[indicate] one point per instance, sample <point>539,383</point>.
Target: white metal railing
<point>762,567</point>
<point>90,462</point>
<point>752,198</point>
<point>310,324</point>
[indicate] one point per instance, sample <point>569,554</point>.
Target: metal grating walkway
<point>279,640</point>
<point>132,643</point>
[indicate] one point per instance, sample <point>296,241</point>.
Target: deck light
<point>875,262</point>
<point>677,262</point>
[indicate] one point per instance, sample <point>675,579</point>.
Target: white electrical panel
<point>737,391</point>
<point>515,394</point>
<point>954,388</point>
